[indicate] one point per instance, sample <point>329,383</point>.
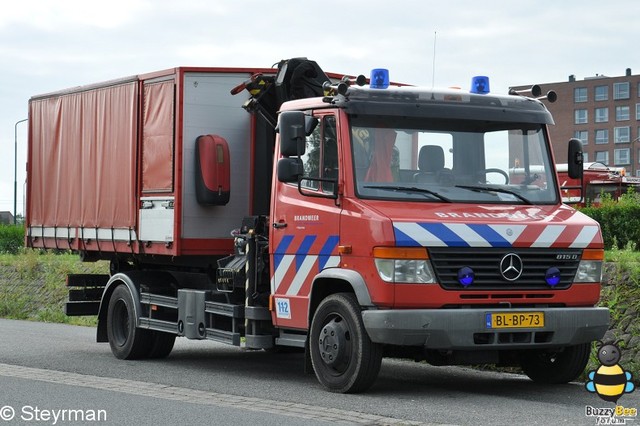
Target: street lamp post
<point>15,171</point>
<point>633,157</point>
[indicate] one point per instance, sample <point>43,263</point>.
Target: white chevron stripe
<point>301,275</point>
<point>419,234</point>
<point>332,262</point>
<point>509,232</point>
<point>548,236</point>
<point>467,234</point>
<point>585,237</point>
<point>283,267</point>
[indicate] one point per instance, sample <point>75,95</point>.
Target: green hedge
<point>619,220</point>
<point>11,238</point>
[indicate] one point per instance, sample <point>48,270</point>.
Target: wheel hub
<point>333,343</point>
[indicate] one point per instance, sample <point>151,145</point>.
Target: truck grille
<point>485,263</point>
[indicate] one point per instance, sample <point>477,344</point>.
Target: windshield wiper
<point>411,189</point>
<point>496,189</point>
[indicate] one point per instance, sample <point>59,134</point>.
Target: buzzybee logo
<point>610,381</point>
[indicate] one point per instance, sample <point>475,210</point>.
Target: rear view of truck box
<point>112,167</point>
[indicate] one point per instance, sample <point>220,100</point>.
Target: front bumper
<point>465,329</point>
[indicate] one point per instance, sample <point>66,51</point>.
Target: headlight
<point>589,271</point>
<point>403,265</point>
<point>405,271</point>
<point>590,267</point>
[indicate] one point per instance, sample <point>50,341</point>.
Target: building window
<point>583,135</point>
<point>621,134</point>
<point>580,94</point>
<point>622,113</point>
<point>585,157</point>
<point>638,109</point>
<point>602,136</point>
<point>621,90</point>
<point>602,157</point>
<point>621,157</point>
<point>602,115</point>
<point>581,116</point>
<point>602,93</point>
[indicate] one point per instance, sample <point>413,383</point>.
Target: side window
<point>321,156</point>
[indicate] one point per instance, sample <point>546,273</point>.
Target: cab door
<point>305,226</point>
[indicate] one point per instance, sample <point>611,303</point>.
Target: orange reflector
<point>345,249</point>
<point>400,253</point>
<point>593,254</point>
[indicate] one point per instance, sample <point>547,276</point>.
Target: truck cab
<point>437,216</point>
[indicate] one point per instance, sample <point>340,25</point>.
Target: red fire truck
<point>350,218</point>
<point>597,179</point>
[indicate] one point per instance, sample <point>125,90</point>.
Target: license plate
<point>515,320</point>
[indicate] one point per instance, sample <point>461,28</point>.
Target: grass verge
<point>32,286</point>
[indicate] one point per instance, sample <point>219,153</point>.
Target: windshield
<point>451,161</point>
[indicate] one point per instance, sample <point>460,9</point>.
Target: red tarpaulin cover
<point>82,155</point>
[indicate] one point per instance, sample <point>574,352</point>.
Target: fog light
<point>552,277</point>
<point>466,276</point>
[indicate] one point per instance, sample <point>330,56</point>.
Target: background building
<point>603,112</point>
<point>6,218</point>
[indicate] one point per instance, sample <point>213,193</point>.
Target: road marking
<point>155,390</point>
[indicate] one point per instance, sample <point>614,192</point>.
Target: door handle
<point>279,225</point>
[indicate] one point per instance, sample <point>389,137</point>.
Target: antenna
<point>433,71</point>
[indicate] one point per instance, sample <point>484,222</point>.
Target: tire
<point>161,344</point>
<point>126,340</point>
<point>557,366</point>
<point>343,357</point>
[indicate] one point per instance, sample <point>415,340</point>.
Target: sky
<point>50,45</point>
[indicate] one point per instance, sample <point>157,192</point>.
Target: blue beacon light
<point>379,78</point>
<point>552,277</point>
<point>466,276</point>
<point>480,85</point>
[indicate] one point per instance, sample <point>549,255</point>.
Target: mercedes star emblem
<point>511,267</point>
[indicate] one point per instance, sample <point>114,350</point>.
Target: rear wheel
<point>555,366</point>
<point>126,340</point>
<point>343,357</point>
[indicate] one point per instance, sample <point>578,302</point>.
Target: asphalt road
<point>60,371</point>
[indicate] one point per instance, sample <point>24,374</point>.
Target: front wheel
<point>343,357</point>
<point>555,366</point>
<point>161,344</point>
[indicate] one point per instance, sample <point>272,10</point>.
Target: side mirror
<point>290,169</point>
<point>575,159</point>
<point>293,126</point>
